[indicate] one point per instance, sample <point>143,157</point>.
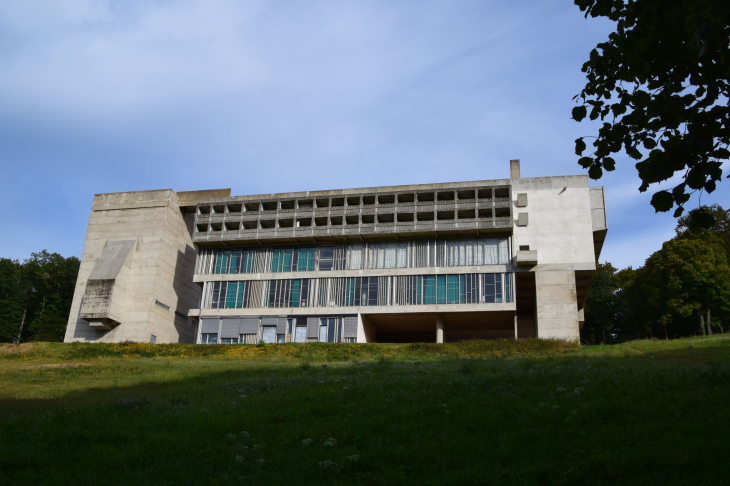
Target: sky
<point>279,96</point>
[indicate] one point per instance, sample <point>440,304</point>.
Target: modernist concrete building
<point>505,258</point>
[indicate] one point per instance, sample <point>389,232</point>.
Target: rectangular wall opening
<point>352,219</point>
<point>204,210</point>
<point>445,215</point>
<point>368,218</point>
<point>501,212</point>
<point>251,206</point>
<point>216,226</point>
<point>386,199</point>
<point>485,193</point>
<point>406,198</point>
<point>304,222</point>
<point>286,223</point>
<point>446,196</point>
<point>485,213</point>
<point>202,228</point>
<point>250,225</point>
<point>234,208</point>
<point>219,209</point>
<point>320,221</point>
<point>466,195</point>
<point>466,214</point>
<point>424,216</point>
<point>386,218</point>
<point>323,203</point>
<point>353,201</point>
<point>336,220</point>
<point>338,202</point>
<point>270,205</point>
<point>405,217</point>
<point>501,192</point>
<point>233,226</point>
<point>268,224</point>
<point>306,204</point>
<point>288,204</point>
<point>368,200</point>
<point>425,196</point>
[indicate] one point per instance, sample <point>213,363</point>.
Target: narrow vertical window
<point>231,295</point>
<point>452,289</point>
<point>489,291</point>
<point>440,289</point>
<point>429,289</point>
<point>296,288</point>
<point>498,287</point>
<point>325,258</point>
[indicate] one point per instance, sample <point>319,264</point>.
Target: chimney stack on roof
<point>514,169</point>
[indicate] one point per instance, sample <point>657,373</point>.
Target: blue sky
<point>274,96</point>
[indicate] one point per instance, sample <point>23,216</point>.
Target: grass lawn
<point>499,412</point>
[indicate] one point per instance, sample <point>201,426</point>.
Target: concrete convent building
<point>504,258</point>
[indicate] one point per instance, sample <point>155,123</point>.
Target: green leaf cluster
<point>660,87</point>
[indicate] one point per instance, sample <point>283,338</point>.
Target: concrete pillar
<point>439,329</point>
<point>516,337</point>
<point>556,305</point>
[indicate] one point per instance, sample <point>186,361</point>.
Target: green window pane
<point>429,289</point>
<point>452,289</point>
<point>233,266</point>
<point>239,296</point>
<point>440,289</point>
<point>231,295</point>
<point>350,291</point>
<point>275,260</point>
<point>462,289</point>
<point>218,261</point>
<point>419,283</point>
<point>286,260</point>
<point>296,291</point>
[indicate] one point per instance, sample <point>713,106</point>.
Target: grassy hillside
<point>531,412</point>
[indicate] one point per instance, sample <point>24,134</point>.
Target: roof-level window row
<point>357,256</point>
<point>473,288</point>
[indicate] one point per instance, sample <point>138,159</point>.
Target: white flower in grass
<point>325,464</point>
<point>577,390</point>
<point>307,442</point>
<point>231,436</point>
<point>239,458</point>
<point>352,458</point>
<point>330,442</point>
<point>262,460</point>
<point>245,434</point>
<point>561,389</point>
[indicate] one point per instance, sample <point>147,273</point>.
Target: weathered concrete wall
<point>161,268</point>
<point>557,305</point>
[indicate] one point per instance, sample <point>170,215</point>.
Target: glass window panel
<point>391,252</point>
<point>300,335</point>
<point>323,331</point>
<point>296,287</point>
<point>489,293</point>
<point>498,287</point>
<point>231,295</point>
<point>269,335</point>
<point>325,258</point>
<point>402,255</point>
<point>440,289</point>
<point>429,289</point>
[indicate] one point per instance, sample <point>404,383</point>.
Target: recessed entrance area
<point>421,327</point>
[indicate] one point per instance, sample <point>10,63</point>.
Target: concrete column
<point>516,337</point>
<point>556,305</point>
<point>439,329</point>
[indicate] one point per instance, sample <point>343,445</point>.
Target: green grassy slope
<point>531,412</point>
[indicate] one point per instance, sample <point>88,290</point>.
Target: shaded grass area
<point>532,412</point>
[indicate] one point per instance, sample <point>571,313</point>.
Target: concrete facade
<point>507,258</point>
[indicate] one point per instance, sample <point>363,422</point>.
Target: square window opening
<point>202,228</point>
<point>501,212</point>
<point>424,216</point>
<point>270,205</point>
<point>425,196</point>
<point>268,224</point>
<point>338,202</point>
<point>304,222</point>
<point>485,193</point>
<point>320,221</point>
<point>353,201</point>
<point>219,209</point>
<point>386,199</point>
<point>251,206</point>
<point>233,226</point>
<point>386,218</point>
<point>466,195</point>
<point>306,204</point>
<point>323,203</point>
<point>445,215</point>
<point>286,223</point>
<point>406,198</point>
<point>249,225</point>
<point>368,218</point>
<point>216,227</point>
<point>204,210</point>
<point>501,192</point>
<point>234,208</point>
<point>368,200</point>
<point>466,214</point>
<point>336,220</point>
<point>446,196</point>
<point>405,217</point>
<point>288,204</point>
<point>352,219</point>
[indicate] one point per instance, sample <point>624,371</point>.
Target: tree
<point>684,279</point>
<point>721,228</point>
<point>36,295</point>
<point>660,84</point>
<point>600,308</point>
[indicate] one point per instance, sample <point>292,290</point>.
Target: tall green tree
<point>601,308</point>
<point>660,86</point>
<point>681,282</point>
<point>36,295</point>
